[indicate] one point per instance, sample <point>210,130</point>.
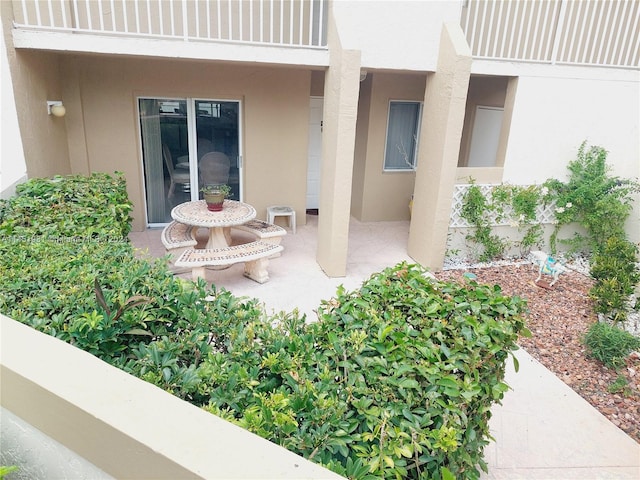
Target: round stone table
<point>219,223</point>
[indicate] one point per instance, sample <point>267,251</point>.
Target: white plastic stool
<point>282,211</point>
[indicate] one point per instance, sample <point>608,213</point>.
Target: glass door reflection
<point>218,144</point>
<point>187,143</point>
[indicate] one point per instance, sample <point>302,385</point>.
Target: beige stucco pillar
<point>444,108</point>
<point>342,86</point>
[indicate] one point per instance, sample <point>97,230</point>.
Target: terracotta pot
<point>214,201</point>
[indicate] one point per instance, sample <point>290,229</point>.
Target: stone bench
<point>177,237</point>
<point>267,232</point>
<point>255,256</point>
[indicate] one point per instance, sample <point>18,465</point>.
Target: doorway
<point>314,153</point>
<point>485,136</point>
<point>176,136</point>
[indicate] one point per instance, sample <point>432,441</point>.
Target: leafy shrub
<point>615,271</point>
<point>593,199</point>
<point>395,380</point>
<point>68,207</point>
<point>137,316</point>
<point>419,362</point>
<point>610,344</point>
<point>56,236</point>
<point>601,204</point>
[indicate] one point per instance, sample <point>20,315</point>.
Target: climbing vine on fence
<point>591,198</point>
<point>512,203</point>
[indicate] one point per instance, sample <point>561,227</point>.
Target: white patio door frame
<point>192,147</point>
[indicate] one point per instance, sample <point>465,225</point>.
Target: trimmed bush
<point>395,380</point>
<point>419,363</point>
<point>69,207</point>
<point>615,270</point>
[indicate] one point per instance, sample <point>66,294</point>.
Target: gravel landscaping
<point>558,318</point>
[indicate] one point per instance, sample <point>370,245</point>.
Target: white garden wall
<point>557,108</point>
<point>553,116</point>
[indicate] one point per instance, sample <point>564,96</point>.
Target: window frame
<point>412,166</point>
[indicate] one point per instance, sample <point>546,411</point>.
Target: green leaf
<point>403,450</point>
<point>408,383</point>
<point>138,331</point>
<point>137,300</point>
<point>516,363</point>
<point>100,296</point>
<point>525,332</point>
<point>449,382</point>
<point>446,474</point>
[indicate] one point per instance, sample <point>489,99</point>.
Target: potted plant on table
<point>214,195</point>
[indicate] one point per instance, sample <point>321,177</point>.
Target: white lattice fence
<point>544,214</point>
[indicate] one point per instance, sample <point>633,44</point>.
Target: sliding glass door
<point>185,144</point>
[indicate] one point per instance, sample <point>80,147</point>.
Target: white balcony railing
<point>296,23</point>
<point>573,32</point>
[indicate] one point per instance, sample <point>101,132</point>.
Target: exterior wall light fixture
<point>56,108</point>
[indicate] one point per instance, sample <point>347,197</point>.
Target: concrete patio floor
<point>542,430</point>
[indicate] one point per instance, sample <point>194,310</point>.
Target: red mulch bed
<point>558,318</point>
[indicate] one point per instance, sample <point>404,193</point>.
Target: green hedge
<point>68,207</point>
<point>396,379</point>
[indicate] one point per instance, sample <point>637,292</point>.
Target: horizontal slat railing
<point>573,32</point>
<point>295,23</point>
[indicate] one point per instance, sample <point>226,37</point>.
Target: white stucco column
<point>444,109</point>
<point>341,91</point>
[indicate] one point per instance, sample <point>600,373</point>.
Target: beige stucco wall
<point>380,195</point>
<point>43,135</point>
<point>36,78</point>
<point>317,83</point>
<point>274,112</point>
<point>494,91</point>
